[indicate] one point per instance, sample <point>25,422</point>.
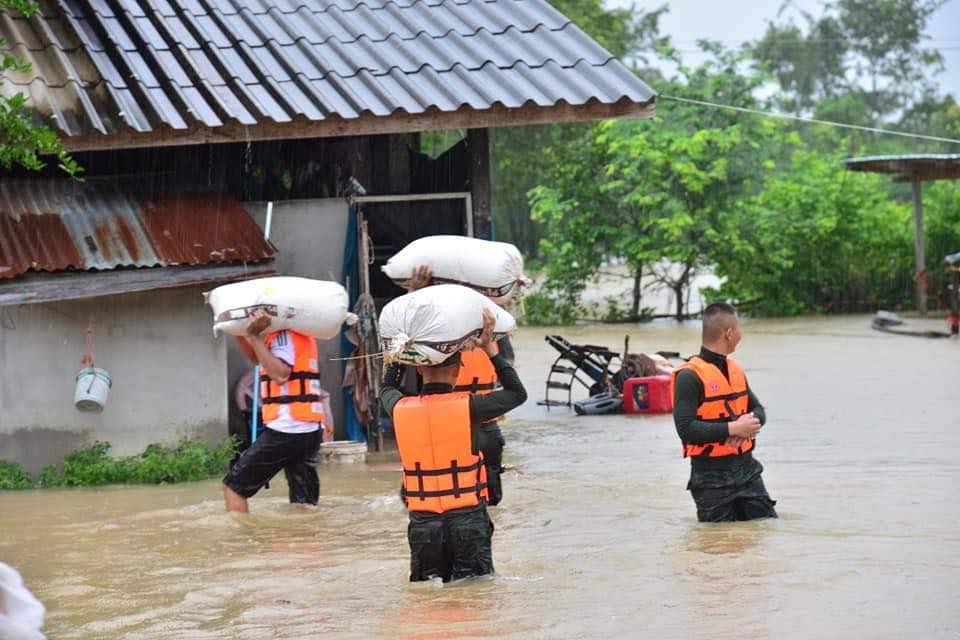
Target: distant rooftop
<point>913,167</point>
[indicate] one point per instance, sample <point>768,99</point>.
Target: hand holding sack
<point>495,269</point>
<point>316,308</point>
<point>428,326</point>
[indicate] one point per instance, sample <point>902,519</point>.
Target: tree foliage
<point>818,238</point>
<point>23,143</point>
<point>660,194</point>
<point>519,159</point>
<point>768,207</point>
<point>865,55</point>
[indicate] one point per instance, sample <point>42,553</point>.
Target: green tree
<point>935,116</point>
<point>941,229</point>
<point>867,54</point>
<point>519,159</point>
<point>21,142</point>
<point>818,238</point>
<point>657,194</point>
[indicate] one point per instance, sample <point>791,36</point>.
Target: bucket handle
<point>87,359</point>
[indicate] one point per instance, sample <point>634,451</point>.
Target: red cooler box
<point>647,395</point>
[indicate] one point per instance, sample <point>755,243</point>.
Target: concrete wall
<point>309,235</point>
<point>169,374</point>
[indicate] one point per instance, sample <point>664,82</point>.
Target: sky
<point>736,21</point>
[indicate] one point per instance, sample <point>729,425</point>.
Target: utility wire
<point>785,116</point>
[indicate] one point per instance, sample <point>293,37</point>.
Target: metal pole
<point>921,269</point>
<point>955,306</point>
<point>254,418</point>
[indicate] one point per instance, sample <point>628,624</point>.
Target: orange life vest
<point>723,401</point>
<point>440,470</point>
<point>477,374</point>
<point>301,392</point>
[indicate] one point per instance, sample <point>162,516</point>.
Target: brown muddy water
<point>596,538</point>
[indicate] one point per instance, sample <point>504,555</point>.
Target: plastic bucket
<point>93,386</point>
<point>343,451</point>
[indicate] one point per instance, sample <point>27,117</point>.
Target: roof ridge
<point>383,5</point>
<point>233,80</point>
<point>427,34</point>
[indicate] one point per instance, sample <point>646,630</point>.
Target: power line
<point>810,46</point>
<point>785,116</point>
<point>802,40</point>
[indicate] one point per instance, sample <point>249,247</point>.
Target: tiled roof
<point>143,65</point>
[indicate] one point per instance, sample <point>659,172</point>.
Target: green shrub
<point>12,476</point>
<point>542,310</point>
<point>190,460</point>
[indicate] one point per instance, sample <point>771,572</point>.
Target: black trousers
<point>243,435</point>
<point>294,453</point>
<point>450,546</point>
<point>734,503</point>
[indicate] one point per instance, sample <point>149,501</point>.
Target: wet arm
<point>506,349</point>
<point>390,393</point>
<point>277,369</point>
<point>688,394</point>
<point>754,405</point>
<point>493,405</point>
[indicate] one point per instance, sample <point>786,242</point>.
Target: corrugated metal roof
<point>140,65</point>
<point>914,166</point>
<point>65,225</point>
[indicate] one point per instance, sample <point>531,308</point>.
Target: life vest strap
<point>455,476</point>
<point>456,492</point>
<point>707,449</point>
<point>303,397</point>
<point>704,453</point>
<point>476,386</point>
<point>304,375</point>
<point>441,472</point>
<point>453,471</point>
<point>725,397</point>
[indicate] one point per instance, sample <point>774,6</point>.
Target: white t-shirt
<point>282,347</point>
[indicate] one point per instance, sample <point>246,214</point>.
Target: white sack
<point>495,269</point>
<point>428,326</point>
<point>21,614</point>
<point>315,308</point>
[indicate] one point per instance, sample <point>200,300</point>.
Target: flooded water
<point>596,538</point>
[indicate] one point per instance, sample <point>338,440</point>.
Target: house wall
<point>168,370</point>
<point>310,236</point>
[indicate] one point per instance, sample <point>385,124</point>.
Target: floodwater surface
<point>596,537</point>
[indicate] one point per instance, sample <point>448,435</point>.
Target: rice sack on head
<point>316,308</point>
<point>426,327</point>
<point>494,269</point>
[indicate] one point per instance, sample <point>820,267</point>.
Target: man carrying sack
<point>478,376</point>
<point>292,415</point>
<point>444,475</point>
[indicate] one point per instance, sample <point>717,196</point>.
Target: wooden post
<point>478,142</point>
<point>955,306</point>
<point>921,269</point>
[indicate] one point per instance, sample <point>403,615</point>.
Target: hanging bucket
<point>93,385</point>
<point>344,451</point>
